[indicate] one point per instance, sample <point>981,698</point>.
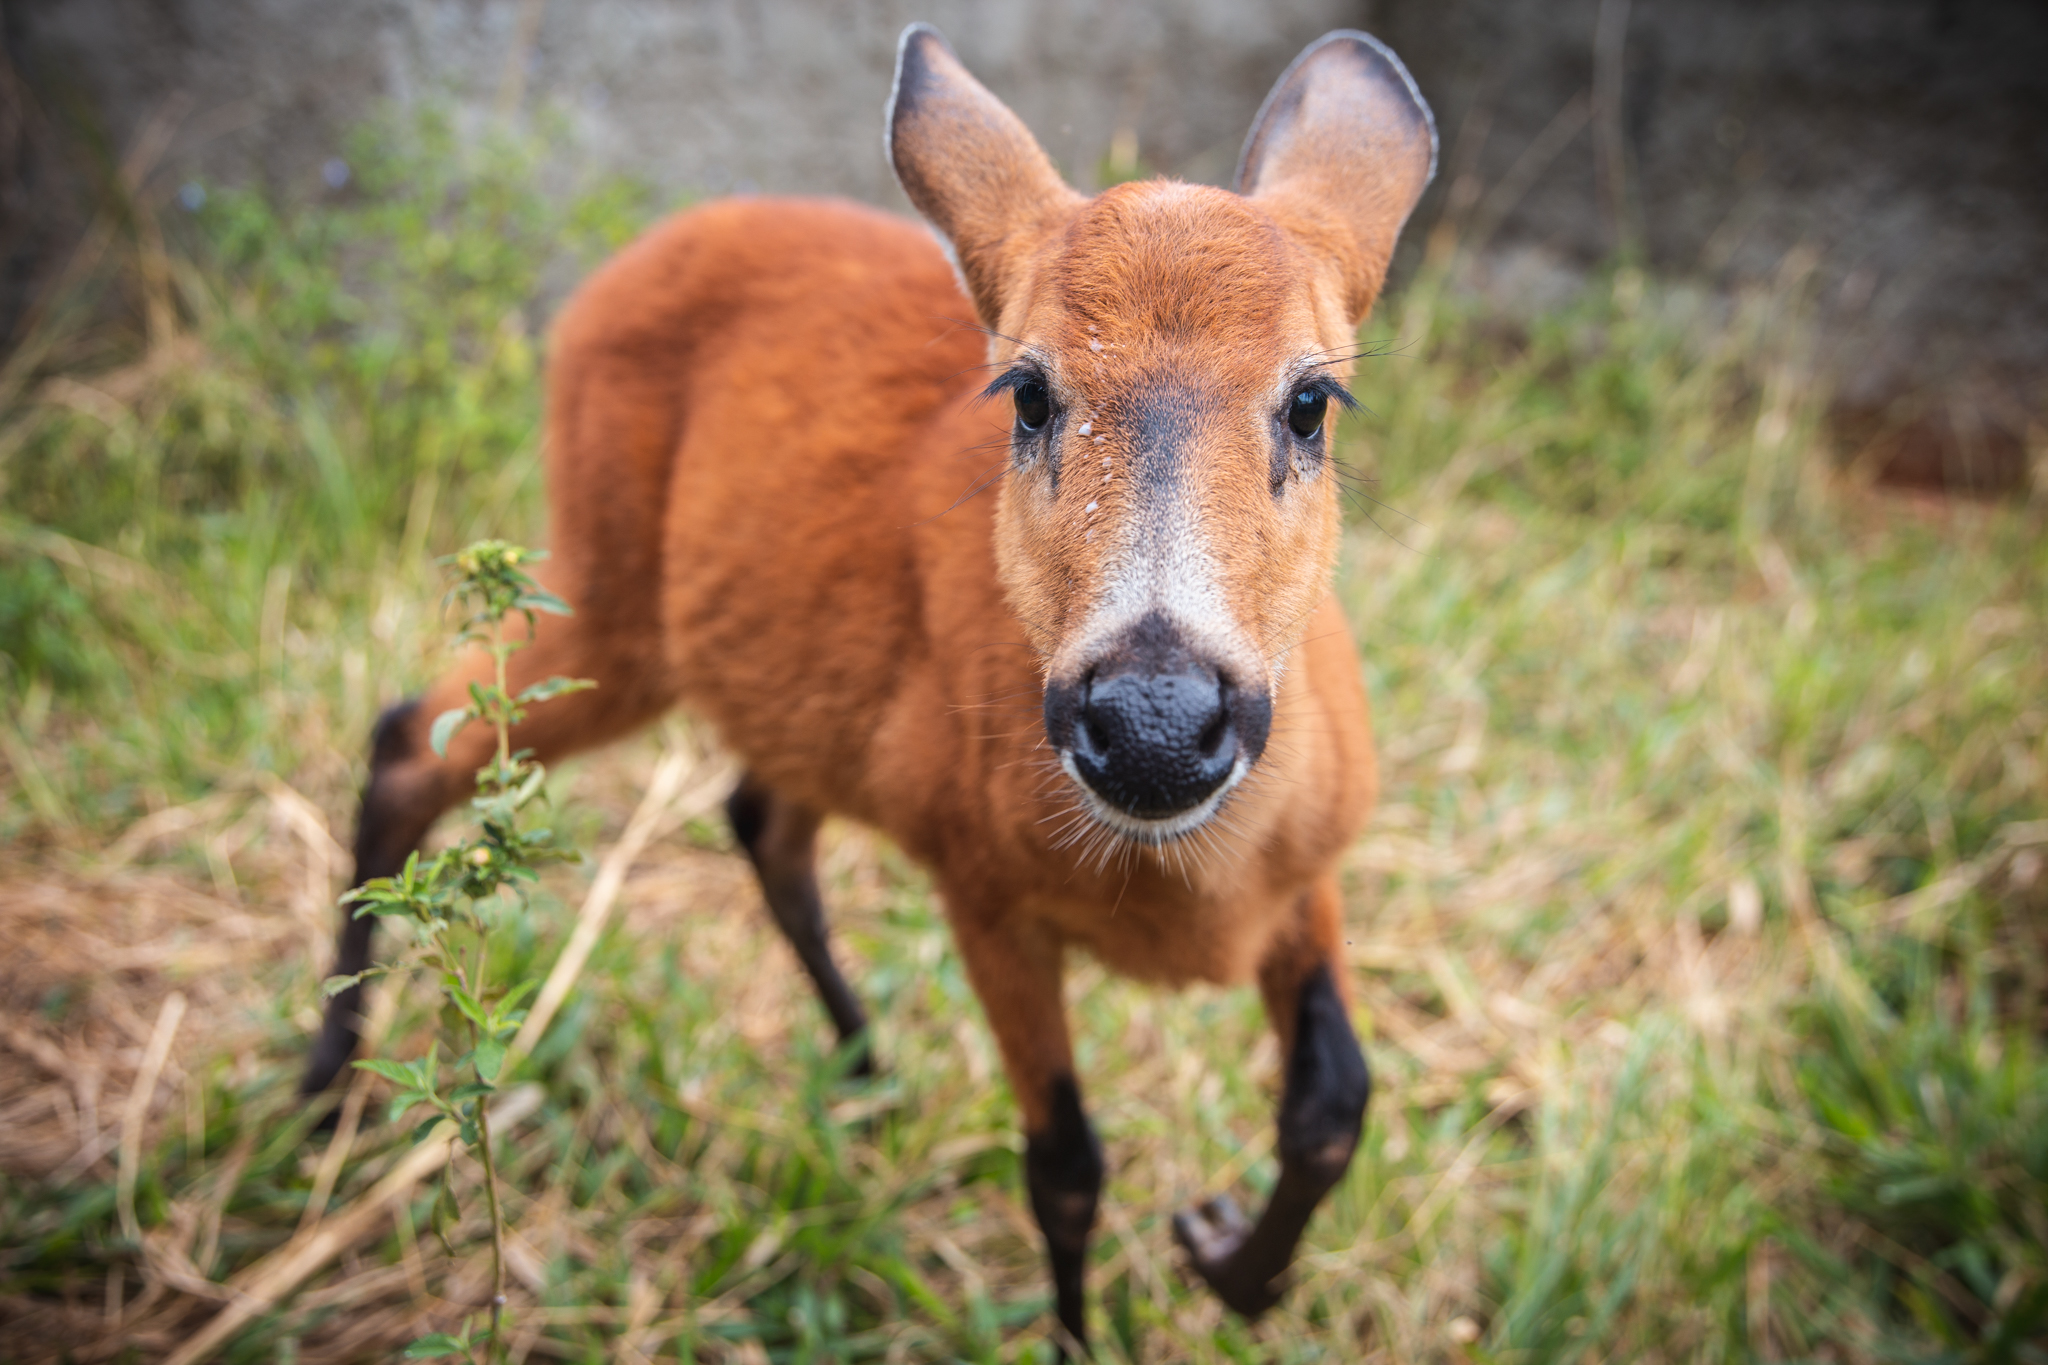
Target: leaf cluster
<point>456,888</point>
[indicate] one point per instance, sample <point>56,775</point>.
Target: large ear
<point>1339,153</point>
<point>969,165</point>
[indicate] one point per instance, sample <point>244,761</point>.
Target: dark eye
<point>1034,405</point>
<point>1305,413</point>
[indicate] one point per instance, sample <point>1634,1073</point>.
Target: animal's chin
<point>1152,830</point>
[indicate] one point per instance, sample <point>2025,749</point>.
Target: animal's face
<point>1174,356</point>
<point>1170,517</point>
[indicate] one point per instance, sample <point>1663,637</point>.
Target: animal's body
<point>1086,668</point>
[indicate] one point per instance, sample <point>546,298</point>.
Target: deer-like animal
<point>766,421</point>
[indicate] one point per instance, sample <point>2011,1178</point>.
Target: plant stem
<point>483,1133</point>
<point>500,652</point>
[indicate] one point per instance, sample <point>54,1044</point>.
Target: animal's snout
<point>1154,745</point>
<point>1153,729</point>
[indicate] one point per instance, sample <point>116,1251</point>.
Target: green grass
<point>1697,940</point>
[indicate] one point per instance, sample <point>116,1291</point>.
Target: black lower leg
<point>342,1023</point>
<point>1063,1168</point>
<point>780,840</point>
<point>1322,1111</point>
<point>388,829</point>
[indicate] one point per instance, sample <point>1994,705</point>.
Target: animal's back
<point>741,450</point>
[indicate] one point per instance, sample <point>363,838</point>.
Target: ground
<point>1696,942</point>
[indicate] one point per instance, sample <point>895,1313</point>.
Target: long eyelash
<point>1012,379</point>
<point>1332,390</point>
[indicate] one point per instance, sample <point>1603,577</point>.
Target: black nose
<point>1153,730</point>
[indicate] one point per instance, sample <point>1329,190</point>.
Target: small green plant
<point>455,899</point>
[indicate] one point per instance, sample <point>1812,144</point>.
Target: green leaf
<point>400,1072</point>
<point>540,599</point>
<point>526,790</point>
<point>404,1100</point>
<point>464,1001</point>
<point>335,985</point>
<point>551,688</point>
<point>383,907</point>
<point>470,1135</point>
<point>490,1056</point>
<point>426,1130</point>
<point>446,1212</point>
<point>417,891</point>
<point>445,726</point>
<point>437,1344</point>
<point>507,1015</point>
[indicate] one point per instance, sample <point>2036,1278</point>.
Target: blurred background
<point>1695,554</point>
<point>1899,141</point>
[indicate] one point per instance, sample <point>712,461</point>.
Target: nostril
<point>1090,735</point>
<point>1213,734</point>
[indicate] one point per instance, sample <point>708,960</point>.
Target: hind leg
<point>410,786</point>
<point>399,804</point>
<point>781,838</point>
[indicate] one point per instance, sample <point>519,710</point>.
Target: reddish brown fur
<point>762,434</point>
<point>774,535</point>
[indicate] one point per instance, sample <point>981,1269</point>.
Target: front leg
<point>1322,1111</point>
<point>1016,972</point>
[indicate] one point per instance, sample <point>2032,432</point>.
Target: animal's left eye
<point>1305,413</point>
<point>1034,405</point>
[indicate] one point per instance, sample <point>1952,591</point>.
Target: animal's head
<point>1175,356</point>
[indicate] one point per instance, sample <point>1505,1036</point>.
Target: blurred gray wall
<point>1904,143</point>
<point>782,95</point>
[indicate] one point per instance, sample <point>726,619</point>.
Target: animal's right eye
<point>1305,413</point>
<point>1034,405</point>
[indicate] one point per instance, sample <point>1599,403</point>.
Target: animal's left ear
<point>1339,153</point>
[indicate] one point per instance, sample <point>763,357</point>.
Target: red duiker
<point>765,431</point>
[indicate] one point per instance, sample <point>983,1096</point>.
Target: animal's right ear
<point>970,166</point>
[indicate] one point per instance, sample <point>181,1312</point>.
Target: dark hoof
<point>1213,1233</point>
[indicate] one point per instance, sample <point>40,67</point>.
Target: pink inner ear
<point>1345,88</point>
<point>970,166</point>
<point>1340,154</point>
